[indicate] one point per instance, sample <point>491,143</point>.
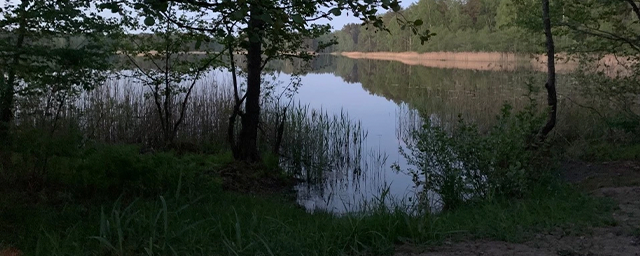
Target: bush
<point>122,167</point>
<point>67,164</point>
<point>456,165</point>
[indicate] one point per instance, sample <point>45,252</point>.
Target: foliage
<point>601,37</point>
<point>174,72</point>
<point>93,170</point>
<point>606,152</point>
<point>478,25</point>
<point>50,52</point>
<point>273,29</point>
<point>454,165</point>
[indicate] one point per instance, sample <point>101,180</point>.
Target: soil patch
<point>618,181</point>
<point>593,176</point>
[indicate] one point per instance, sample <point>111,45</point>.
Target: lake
<point>389,98</point>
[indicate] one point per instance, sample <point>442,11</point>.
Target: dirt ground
<point>619,181</point>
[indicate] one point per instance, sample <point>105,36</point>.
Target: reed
<point>121,111</point>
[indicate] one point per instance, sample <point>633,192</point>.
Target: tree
<point>552,100</point>
<point>603,36</point>
<point>266,31</point>
<point>506,14</point>
<point>54,47</point>
<point>173,69</point>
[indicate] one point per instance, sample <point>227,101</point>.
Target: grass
<point>194,216</point>
<point>118,112</point>
<point>66,196</point>
<point>606,151</point>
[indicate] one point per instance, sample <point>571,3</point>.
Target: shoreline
<point>481,61</point>
<point>611,65</point>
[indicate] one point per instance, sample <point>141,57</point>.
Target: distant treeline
<point>212,45</point>
<point>460,25</point>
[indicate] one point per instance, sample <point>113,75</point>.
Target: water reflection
<point>390,98</point>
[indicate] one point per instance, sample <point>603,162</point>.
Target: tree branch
<point>635,8</point>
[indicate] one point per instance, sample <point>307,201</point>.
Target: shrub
<point>123,167</point>
<point>454,165</point>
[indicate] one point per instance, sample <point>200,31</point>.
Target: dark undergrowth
<point>114,200</point>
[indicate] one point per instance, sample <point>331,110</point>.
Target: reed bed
<point>121,111</point>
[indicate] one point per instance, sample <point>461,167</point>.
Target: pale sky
<point>337,23</point>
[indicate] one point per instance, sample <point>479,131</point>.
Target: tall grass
<point>317,141</point>
<point>314,143</point>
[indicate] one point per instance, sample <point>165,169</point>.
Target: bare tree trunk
<point>552,99</point>
<point>6,107</point>
<point>279,132</point>
<point>7,89</point>
<point>231,137</point>
<point>247,145</point>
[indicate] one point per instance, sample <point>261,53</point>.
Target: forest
<point>471,26</point>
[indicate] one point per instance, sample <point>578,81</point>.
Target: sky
<point>338,22</point>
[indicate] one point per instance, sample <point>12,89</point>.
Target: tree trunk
<point>6,108</point>
<point>247,144</point>
<point>552,100</point>
<point>7,87</point>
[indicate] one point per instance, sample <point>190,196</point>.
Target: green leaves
<point>297,18</point>
<point>63,48</point>
<point>238,14</point>
<point>149,21</point>
<point>417,22</point>
<point>158,5</point>
<point>335,11</point>
<point>395,6</point>
<point>266,18</point>
<point>113,7</point>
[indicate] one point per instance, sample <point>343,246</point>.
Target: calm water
<point>387,98</point>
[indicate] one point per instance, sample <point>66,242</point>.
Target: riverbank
<point>119,202</point>
<point>457,60</point>
<point>490,61</point>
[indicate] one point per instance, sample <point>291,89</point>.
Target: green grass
<point>233,224</point>
<point>611,152</point>
<point>201,219</point>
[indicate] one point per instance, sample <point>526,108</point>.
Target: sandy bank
<point>457,60</point>
<point>491,61</point>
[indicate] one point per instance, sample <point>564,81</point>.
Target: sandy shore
<point>491,61</point>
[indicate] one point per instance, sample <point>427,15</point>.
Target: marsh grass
<point>318,142</point>
<point>121,112</point>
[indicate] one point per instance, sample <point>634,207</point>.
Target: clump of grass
<point>317,142</point>
<point>97,171</point>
